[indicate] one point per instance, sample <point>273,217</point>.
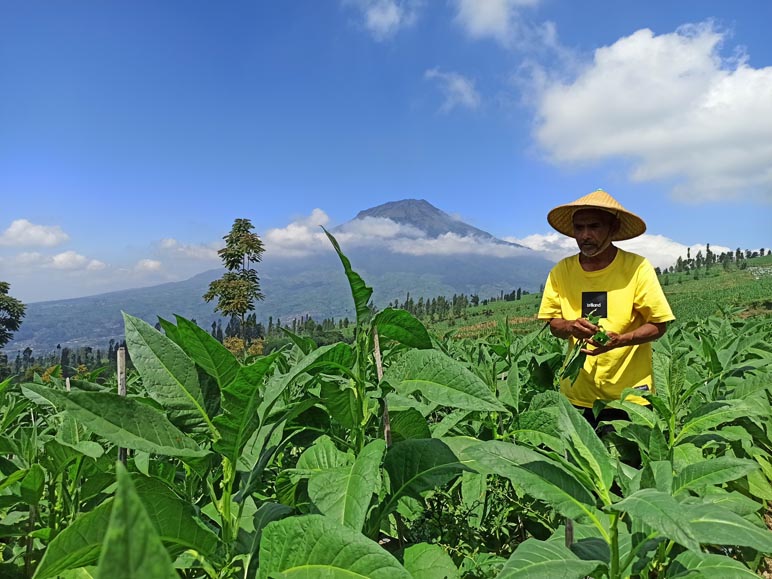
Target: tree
<point>239,287</point>
<point>11,314</point>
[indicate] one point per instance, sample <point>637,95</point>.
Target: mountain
<point>426,218</point>
<point>425,261</point>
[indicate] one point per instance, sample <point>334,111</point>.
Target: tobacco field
<point>399,455</point>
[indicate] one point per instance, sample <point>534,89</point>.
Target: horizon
<point>133,136</point>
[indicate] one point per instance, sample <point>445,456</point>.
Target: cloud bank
<point>659,250</point>
<point>304,237</point>
<point>672,107</point>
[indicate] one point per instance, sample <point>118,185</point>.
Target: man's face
<point>593,229</point>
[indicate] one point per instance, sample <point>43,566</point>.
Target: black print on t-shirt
<point>595,303</point>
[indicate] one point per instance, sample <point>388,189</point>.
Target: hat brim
<point>561,218</point>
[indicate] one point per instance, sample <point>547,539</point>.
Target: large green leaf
<point>207,352</point>
<point>321,457</point>
<point>33,484</point>
<point>474,492</point>
<point>175,521</point>
<point>360,291</point>
<point>168,374</point>
<point>418,465</point>
<point>442,380</point>
<point>125,422</point>
<point>538,476</point>
<point>77,545</point>
<point>717,525</point>
<point>585,446</point>
<point>408,423</point>
<point>344,494</point>
<point>70,435</point>
<point>638,413</point>
<point>335,358</point>
<point>132,548</point>
<point>661,512</point>
<point>534,559</point>
<point>316,546</point>
<point>401,326</point>
<point>536,427</point>
<point>425,561</point>
<point>708,566</point>
<point>239,403</point>
<point>712,472</point>
<point>342,403</point>
<point>713,414</point>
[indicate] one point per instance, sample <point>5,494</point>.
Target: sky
<point>133,133</point>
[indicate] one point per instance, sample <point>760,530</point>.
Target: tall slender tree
<point>239,287</point>
<point>11,314</point>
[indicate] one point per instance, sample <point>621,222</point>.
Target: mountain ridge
<point>314,285</point>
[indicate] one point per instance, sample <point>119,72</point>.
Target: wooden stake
<point>121,360</point>
<point>379,369</point>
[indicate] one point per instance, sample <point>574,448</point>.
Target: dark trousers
<point>627,450</point>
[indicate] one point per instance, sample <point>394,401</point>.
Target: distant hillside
<point>294,287</point>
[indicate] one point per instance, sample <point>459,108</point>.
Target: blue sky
<point>133,133</point>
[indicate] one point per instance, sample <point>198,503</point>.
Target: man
<point>619,287</point>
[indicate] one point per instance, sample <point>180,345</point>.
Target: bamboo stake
<point>121,360</point>
<point>379,369</point>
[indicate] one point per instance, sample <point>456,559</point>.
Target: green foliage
<point>11,314</point>
<point>459,460</point>
<point>239,287</point>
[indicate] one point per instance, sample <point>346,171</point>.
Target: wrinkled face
<point>593,230</point>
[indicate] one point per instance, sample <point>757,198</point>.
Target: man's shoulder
<point>567,262</point>
<point>631,259</point>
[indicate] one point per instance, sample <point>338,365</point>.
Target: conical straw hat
<point>561,218</point>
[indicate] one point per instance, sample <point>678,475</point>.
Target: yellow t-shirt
<point>626,295</point>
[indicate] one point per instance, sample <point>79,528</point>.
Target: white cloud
<point>377,229</point>
<point>674,108</point>
<point>384,18</point>
<point>303,237</point>
<point>23,233</point>
<point>148,265</point>
<point>96,265</point>
<point>200,252</point>
<point>300,238</point>
<point>497,19</point>
<point>553,246</point>
<point>662,251</point>
<point>659,250</point>
<point>70,260</point>
<point>458,90</point>
<point>29,258</point>
<point>453,244</point>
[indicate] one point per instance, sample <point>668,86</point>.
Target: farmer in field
<point>606,282</point>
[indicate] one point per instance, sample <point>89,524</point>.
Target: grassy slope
<point>747,289</point>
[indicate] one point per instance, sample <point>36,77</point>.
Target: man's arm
<point>648,332</point>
